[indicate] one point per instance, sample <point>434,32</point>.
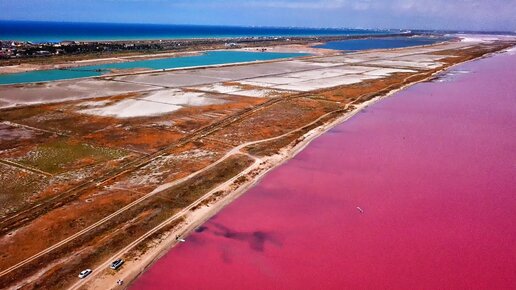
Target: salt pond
<point>150,104</point>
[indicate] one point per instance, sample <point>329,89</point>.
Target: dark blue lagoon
<point>380,43</point>
<point>208,58</point>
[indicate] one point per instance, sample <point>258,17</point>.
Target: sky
<point>404,14</point>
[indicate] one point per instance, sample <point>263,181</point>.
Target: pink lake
<point>433,167</point>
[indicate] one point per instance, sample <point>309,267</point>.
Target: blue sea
<point>380,43</point>
<point>37,31</point>
<point>208,58</point>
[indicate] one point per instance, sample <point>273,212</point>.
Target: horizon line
<point>265,26</point>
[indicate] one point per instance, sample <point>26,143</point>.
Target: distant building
<point>231,44</point>
<point>67,43</point>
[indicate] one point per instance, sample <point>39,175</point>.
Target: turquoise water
<point>208,58</point>
<point>380,43</point>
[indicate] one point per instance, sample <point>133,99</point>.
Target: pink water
<point>433,169</point>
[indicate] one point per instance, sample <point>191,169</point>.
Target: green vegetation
<point>62,154</point>
<point>14,194</point>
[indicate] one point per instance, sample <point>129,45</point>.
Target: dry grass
<point>275,120</point>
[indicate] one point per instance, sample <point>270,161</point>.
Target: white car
<point>116,264</point>
<point>85,273</point>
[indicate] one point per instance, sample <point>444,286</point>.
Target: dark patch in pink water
<point>433,169</point>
